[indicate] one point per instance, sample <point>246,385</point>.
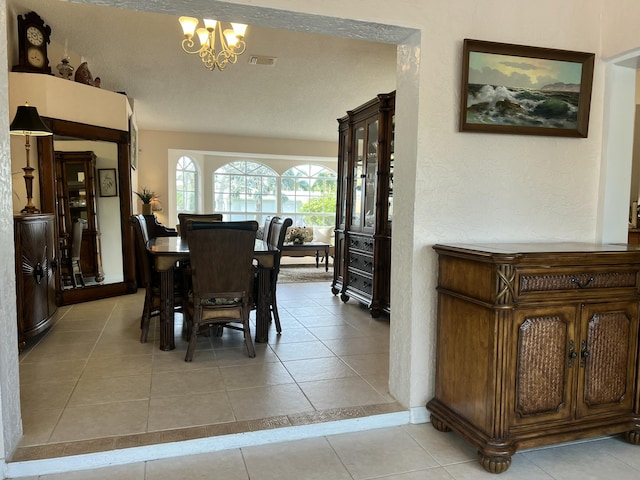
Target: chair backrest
<point>278,231</point>
<point>156,229</point>
<point>201,217</point>
<point>142,255</point>
<point>266,229</point>
<point>221,258</point>
<point>76,239</point>
<point>276,238</point>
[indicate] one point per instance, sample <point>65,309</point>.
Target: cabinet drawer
<point>577,281</point>
<point>360,282</point>
<point>361,243</point>
<point>361,262</point>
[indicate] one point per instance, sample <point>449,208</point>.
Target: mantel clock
<point>33,37</point>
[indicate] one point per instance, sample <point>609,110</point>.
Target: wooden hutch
<point>536,344</point>
<point>362,263</point>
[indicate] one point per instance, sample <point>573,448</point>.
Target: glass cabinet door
<point>391,161</point>
<point>358,180</point>
<point>370,176</point>
<point>344,173</point>
<point>75,175</point>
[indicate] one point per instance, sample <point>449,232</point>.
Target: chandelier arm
<point>188,44</point>
<point>224,46</point>
<point>240,47</point>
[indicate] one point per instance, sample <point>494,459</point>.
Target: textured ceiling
<point>315,80</point>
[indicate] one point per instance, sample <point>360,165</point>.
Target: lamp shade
<point>28,122</point>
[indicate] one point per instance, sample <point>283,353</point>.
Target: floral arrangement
<point>146,195</point>
<point>297,235</point>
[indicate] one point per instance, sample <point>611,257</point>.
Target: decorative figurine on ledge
<point>83,75</point>
<point>65,69</point>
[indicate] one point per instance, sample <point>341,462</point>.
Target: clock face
<point>35,57</point>
<point>35,36</point>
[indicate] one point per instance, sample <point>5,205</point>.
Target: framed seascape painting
<point>525,90</point>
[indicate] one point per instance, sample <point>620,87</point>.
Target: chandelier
<point>231,41</point>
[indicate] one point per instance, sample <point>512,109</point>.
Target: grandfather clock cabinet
<point>362,262</point>
<point>36,264</point>
<point>536,344</point>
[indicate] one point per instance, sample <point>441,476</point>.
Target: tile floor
<point>89,385</point>
<point>410,452</point>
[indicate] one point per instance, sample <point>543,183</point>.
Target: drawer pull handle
<point>580,284</point>
<point>572,353</point>
<point>38,273</point>
<point>584,353</point>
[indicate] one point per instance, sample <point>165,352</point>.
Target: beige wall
<point>64,100</point>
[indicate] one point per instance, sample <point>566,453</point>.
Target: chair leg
<point>145,321</point>
<point>251,349</point>
<point>195,326</point>
<point>274,307</point>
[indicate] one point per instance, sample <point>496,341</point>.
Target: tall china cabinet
<point>76,191</point>
<point>364,210</point>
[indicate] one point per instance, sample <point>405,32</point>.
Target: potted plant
<point>146,196</point>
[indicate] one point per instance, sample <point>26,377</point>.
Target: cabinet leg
<point>633,436</point>
<point>494,464</point>
<point>439,424</point>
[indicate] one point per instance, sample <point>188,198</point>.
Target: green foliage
<point>319,205</point>
<point>146,195</point>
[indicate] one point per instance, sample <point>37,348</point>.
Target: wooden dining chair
<point>150,278</point>
<point>277,233</point>
<point>221,276</point>
<point>266,228</point>
<point>156,229</point>
<point>199,217</point>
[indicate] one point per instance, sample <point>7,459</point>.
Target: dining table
<point>168,251</point>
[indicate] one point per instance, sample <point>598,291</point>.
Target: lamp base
<point>28,183</point>
<point>29,209</point>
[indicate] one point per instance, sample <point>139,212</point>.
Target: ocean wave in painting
<point>553,106</point>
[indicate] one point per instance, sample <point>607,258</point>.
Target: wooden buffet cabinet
<point>536,344</point>
<point>36,264</point>
<point>362,262</point>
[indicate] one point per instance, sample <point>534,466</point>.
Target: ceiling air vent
<point>262,60</point>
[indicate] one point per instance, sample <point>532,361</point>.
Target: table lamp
<point>27,122</point>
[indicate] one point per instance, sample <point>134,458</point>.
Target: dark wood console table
<point>536,344</point>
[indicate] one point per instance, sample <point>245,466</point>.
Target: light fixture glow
<point>230,42</point>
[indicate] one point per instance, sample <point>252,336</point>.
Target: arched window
<point>309,195</point>
<point>186,185</point>
<point>245,191</point>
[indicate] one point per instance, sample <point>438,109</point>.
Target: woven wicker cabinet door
<point>607,358</point>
